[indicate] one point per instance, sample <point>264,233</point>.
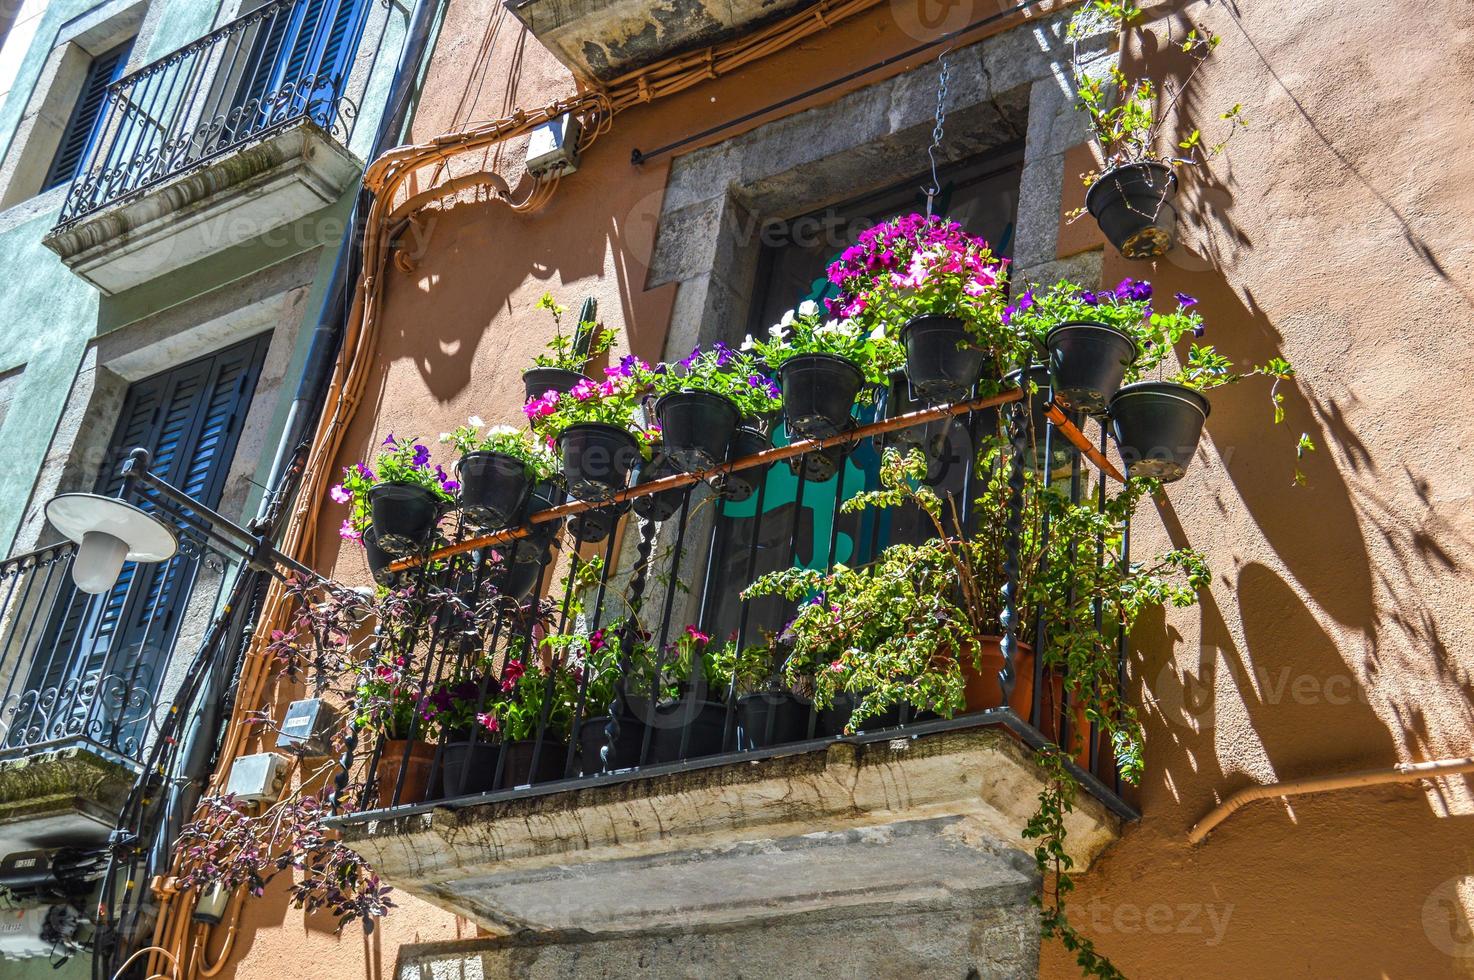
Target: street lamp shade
<point>109,533</point>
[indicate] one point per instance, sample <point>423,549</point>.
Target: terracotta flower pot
<point>982,690</point>
<point>416,771</point>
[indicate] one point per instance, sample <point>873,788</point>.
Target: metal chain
<point>937,132</point>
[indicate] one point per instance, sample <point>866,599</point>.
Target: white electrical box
<point>257,778</point>
<point>553,147</point>
<point>307,727</point>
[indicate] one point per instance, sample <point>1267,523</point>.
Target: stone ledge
<point>795,833</point>
<point>223,202</point>
<point>69,795</point>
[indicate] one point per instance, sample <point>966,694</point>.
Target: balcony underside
<point>904,824</point>
<point>601,40</point>
<point>231,199</point>
<point>60,797</point>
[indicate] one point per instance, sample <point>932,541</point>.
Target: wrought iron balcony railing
<point>283,63</point>
<point>78,669</point>
<point>432,698</point>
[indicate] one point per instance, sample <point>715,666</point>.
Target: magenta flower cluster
<point>908,251</point>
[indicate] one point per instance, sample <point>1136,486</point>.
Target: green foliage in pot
<point>806,331</point>
<point>528,695</point>
<point>1129,113</point>
<point>735,375</point>
<point>505,439</point>
<point>572,353</point>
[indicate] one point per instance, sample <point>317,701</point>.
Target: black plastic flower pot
<point>1157,425</point>
<point>623,752</point>
<point>896,400</point>
<point>771,718</point>
<point>405,515</point>
<point>523,576</point>
<point>517,767</point>
<point>593,526</point>
<point>1036,423</point>
<point>740,485</point>
<point>818,393</point>
<point>379,560</point>
<point>494,487</point>
<point>833,719</point>
<point>1087,362</point>
<point>820,465</point>
<point>597,459</point>
<point>468,768</point>
<point>696,428</point>
<point>539,381</point>
<point>658,506</point>
<point>543,496</point>
<point>1133,206</point>
<point>700,724</point>
<point>941,360</point>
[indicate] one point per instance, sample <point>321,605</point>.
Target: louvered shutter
<point>190,420</point>
<point>86,115</point>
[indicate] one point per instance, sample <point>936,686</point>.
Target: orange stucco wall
<point>1336,231</point>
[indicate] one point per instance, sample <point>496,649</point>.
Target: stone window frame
<point>38,132</point>
<point>1011,87</point>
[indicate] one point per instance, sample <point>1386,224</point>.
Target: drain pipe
<point>323,348</point>
<point>1407,772</point>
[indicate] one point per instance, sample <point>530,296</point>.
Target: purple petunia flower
<point>724,354</point>
<point>690,358</point>
<point>1089,298</point>
<point>389,441</point>
<point>1185,301</point>
<point>1198,331</point>
<point>421,457</point>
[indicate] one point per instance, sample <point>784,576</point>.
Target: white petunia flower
<point>503,430</point>
<point>475,421</point>
<point>878,333</point>
<point>748,343</point>
<point>808,308</point>
<point>446,437</point>
<point>777,332</point>
<point>849,328</point>
<point>828,328</point>
<point>786,319</point>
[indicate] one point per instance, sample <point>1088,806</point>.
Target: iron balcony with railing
<point>230,136</point>
<point>627,688</point>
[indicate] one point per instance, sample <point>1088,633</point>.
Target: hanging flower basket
<point>696,428</point>
<point>1133,206</point>
<point>379,560</point>
<point>820,465</point>
<point>597,459</point>
<point>404,516</point>
<point>740,485</point>
<point>593,526</point>
<point>942,361</point>
<point>1087,363</point>
<point>819,390</point>
<point>494,487</point>
<point>1157,425</point>
<point>539,381</point>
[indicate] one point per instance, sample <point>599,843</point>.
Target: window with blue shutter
<point>189,419</point>
<point>299,63</point>
<point>87,115</point>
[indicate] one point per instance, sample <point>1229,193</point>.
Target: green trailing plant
<point>1205,368</point>
<point>1128,114</point>
<point>806,331</point>
<point>505,439</point>
<point>748,669</point>
<point>735,375</point>
<point>573,352</point>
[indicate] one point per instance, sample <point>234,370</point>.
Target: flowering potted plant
<point>470,734</point>
<point>402,497</point>
<point>688,722</point>
<point>594,426</point>
<point>704,398</point>
<point>1132,198</point>
<point>599,661</point>
<point>1157,424</point>
<point>384,701</point>
<point>1096,339</point>
<point>939,290</point>
<point>767,712</point>
<point>821,367</point>
<point>566,358</point>
<point>534,717</point>
<point>496,470</point>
